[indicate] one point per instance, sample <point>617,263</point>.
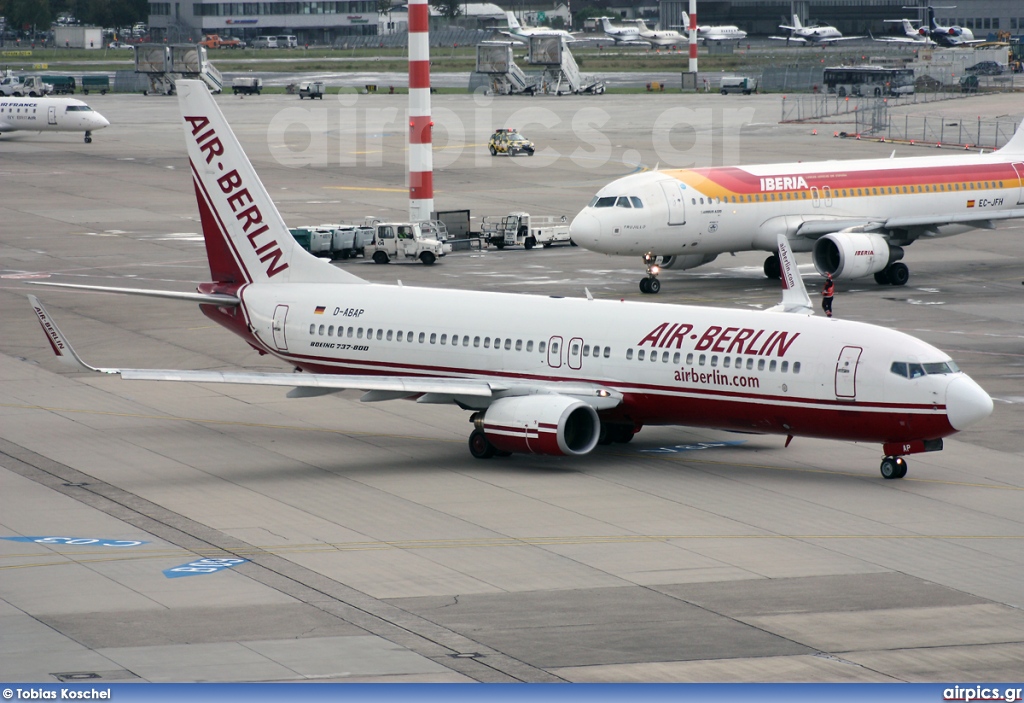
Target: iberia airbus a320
<point>553,376</point>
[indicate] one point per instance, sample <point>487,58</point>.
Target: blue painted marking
<point>202,566</point>
<point>679,448</point>
<point>90,541</point>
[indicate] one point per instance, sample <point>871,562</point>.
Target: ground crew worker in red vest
<point>827,291</point>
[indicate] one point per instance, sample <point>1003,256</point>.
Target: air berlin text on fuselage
<point>725,340</point>
<point>238,197</point>
<point>783,183</point>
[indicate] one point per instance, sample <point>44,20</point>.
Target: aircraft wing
<point>798,40</point>
<point>512,36</point>
<point>903,40</point>
<point>832,40</point>
<point>467,391</point>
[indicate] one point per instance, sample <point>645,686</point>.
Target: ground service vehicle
<point>215,41</point>
<point>510,142</point>
<point>17,86</point>
<point>265,42</point>
<point>522,229</point>
<point>311,90</point>
<point>62,85</point>
<point>287,41</point>
<point>868,81</point>
<point>738,84</point>
<point>394,240</point>
<point>335,241</point>
<point>986,68</point>
<point>247,85</point>
<point>100,83</point>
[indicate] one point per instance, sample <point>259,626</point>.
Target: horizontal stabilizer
<point>210,298</point>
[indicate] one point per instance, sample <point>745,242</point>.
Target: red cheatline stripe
<point>419,74</point>
<point>421,185</point>
<point>419,17</point>
<point>419,130</point>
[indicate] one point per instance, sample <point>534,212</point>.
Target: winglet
<point>794,294</point>
<point>58,342</point>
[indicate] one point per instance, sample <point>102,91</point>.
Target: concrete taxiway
<point>374,547</point>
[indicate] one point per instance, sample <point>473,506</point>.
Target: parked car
<point>287,41</point>
<point>969,84</point>
<point>510,142</point>
<point>986,68</point>
<point>265,42</point>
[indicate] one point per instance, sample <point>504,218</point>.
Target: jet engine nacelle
<point>851,254</point>
<point>541,424</point>
<point>687,261</point>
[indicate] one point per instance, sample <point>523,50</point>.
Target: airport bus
<point>867,81</point>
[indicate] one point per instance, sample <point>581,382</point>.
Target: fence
<point>823,107</point>
<point>989,134</point>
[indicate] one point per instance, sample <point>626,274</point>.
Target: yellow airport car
<point>509,142</point>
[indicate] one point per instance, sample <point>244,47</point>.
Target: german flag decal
<point>320,308</point>
<point>970,203</point>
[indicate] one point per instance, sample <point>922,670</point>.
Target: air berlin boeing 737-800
<point>553,376</point>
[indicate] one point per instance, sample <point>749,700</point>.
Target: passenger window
<point>455,340</point>
<point>399,335</point>
<point>408,337</point>
<point>607,352</point>
<point>312,329</point>
<point>380,334</point>
<point>575,349</point>
<point>629,354</point>
<point>476,341</point>
<point>725,362</point>
<point>623,202</point>
<point>350,330</point>
<point>586,350</point>
<point>640,355</point>
<point>700,360</point>
<point>689,359</point>
<point>422,336</point>
<point>750,364</point>
<point>771,365</point>
<point>321,331</point>
<point>675,358</point>
<point>796,367</point>
<point>637,202</point>
<point>541,347</point>
<point>389,335</point>
<point>785,367</point>
<point>664,357</point>
<point>330,331</point>
<point>519,345</point>
<point>487,342</point>
<point>508,344</point>
<point>554,347</point>
<point>529,345</point>
<point>760,364</point>
<point>465,340</point>
<point>654,355</point>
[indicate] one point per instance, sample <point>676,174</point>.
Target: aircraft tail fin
<point>794,293</point>
<point>513,23</point>
<point>247,241</point>
<point>796,21</point>
<point>686,21</point>
<point>1016,143</point>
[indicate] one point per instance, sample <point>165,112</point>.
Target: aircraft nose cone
<point>966,403</point>
<point>585,230</point>
<point>101,122</point>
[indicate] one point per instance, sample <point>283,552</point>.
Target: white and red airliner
<point>855,216</point>
<point>555,376</point>
<point>49,115</point>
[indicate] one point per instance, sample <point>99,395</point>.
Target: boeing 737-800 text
<point>553,376</point>
<point>855,216</point>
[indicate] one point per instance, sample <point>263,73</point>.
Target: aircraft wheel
<point>893,467</point>
<point>606,435</point>
<point>772,267</point>
<point>898,274</point>
<point>479,446</point>
<point>645,285</point>
<point>380,257</point>
<point>654,286</point>
<point>88,140</point>
<point>882,277</point>
<point>428,258</point>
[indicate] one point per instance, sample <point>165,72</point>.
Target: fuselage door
<point>555,352</point>
<point>51,115</point>
<point>846,372</point>
<point>1019,168</point>
<point>676,204</point>
<point>280,318</point>
<point>575,353</point>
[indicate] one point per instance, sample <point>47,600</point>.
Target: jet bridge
<point>494,60</point>
<point>561,72</point>
<point>165,64</point>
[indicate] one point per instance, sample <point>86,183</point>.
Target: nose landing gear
<point>88,137</point>
<point>893,467</point>
<point>651,284</point>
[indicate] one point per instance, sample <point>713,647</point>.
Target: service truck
<point>17,86</point>
<point>246,85</point>
<point>338,241</point>
<point>525,230</point>
<point>397,240</point>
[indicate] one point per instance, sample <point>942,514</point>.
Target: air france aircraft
<point>709,32</point>
<point>817,34</point>
<point>49,115</point>
<point>855,216</point>
<point>551,376</point>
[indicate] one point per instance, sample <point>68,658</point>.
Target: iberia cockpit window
<point>908,369</point>
<point>607,201</point>
<point>623,201</point>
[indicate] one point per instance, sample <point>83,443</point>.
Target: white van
<point>265,42</point>
<point>287,41</point>
<point>737,84</point>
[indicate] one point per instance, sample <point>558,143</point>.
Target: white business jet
<point>711,32</point>
<point>621,34</point>
<point>911,35</point>
<point>550,376</point>
<point>523,34</point>
<point>855,216</point>
<point>659,38</point>
<point>816,34</point>
<point>49,115</point>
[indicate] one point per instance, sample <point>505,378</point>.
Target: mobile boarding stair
<point>561,72</point>
<point>165,64</point>
<point>495,64</point>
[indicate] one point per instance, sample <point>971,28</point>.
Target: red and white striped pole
<point>421,158</point>
<point>693,36</point>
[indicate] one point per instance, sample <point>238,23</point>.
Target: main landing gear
<point>772,267</point>
<point>896,274</point>
<point>651,284</point>
<point>88,137</point>
<point>893,467</point>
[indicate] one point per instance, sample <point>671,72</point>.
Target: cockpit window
<point>593,202</point>
<point>637,202</point>
<point>605,202</point>
<point>912,370</point>
<point>79,108</point>
<point>623,201</point>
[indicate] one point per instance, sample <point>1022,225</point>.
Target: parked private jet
<point>855,216</point>
<point>659,37</point>
<point>709,32</point>
<point>949,36</point>
<point>911,35</point>
<point>817,34</point>
<point>49,115</point>
<point>623,34</point>
<point>550,375</point>
<point>520,33</point>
